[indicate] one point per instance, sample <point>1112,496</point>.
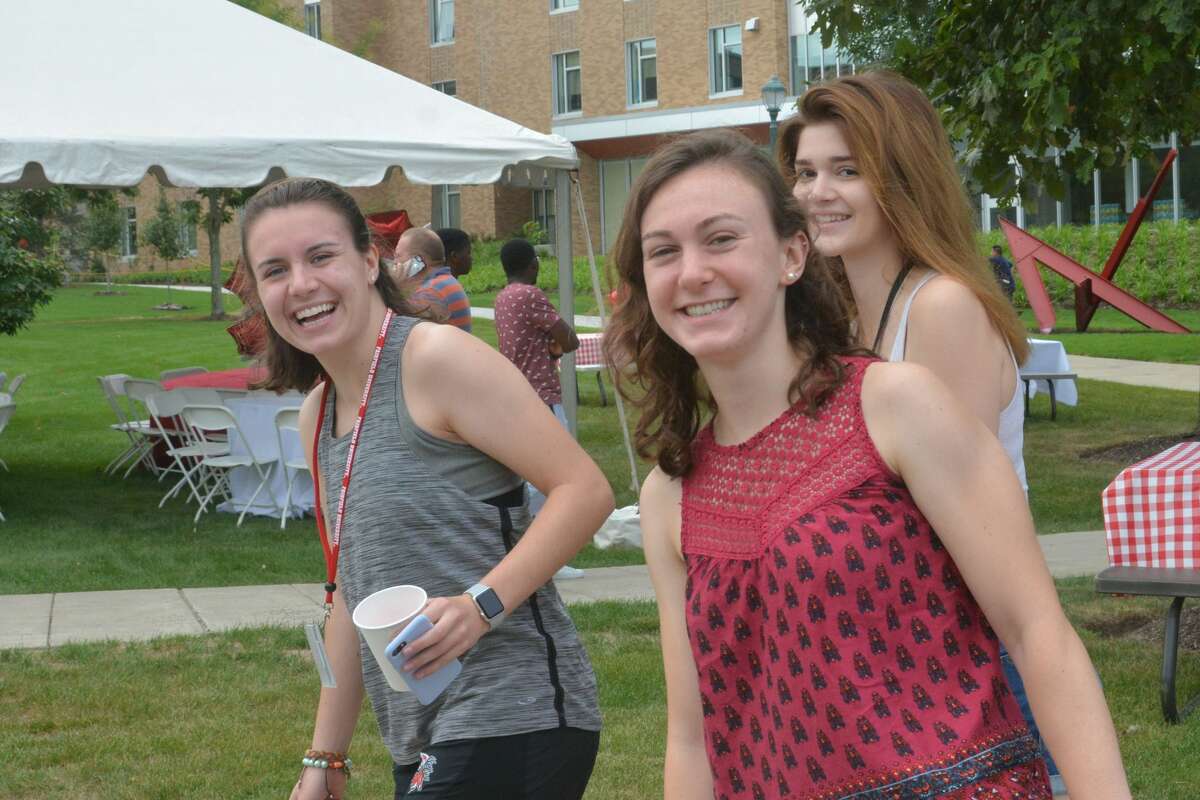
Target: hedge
<point>1162,266</point>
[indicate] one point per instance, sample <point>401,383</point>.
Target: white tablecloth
<point>255,414</point>
<point>1049,355</point>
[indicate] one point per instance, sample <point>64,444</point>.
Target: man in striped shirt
<point>438,287</point>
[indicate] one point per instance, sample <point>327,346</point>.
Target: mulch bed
<point>1133,452</point>
<point>1143,626</point>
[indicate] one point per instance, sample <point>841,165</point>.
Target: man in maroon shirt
<point>533,336</point>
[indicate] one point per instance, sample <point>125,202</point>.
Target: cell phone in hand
<point>428,688</point>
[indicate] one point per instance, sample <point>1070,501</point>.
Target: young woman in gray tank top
<point>873,167</point>
<point>449,430</point>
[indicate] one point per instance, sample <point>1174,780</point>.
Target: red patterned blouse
<point>839,653</point>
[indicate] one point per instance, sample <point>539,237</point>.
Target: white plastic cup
<point>380,616</point>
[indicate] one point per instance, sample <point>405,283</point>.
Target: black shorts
<point>544,765</point>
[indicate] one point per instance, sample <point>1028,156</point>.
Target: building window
<point>543,212</point>
<point>642,68</point>
<point>447,206</point>
<point>568,91</point>
<point>190,211</point>
<point>615,179</point>
<point>446,87</point>
<point>441,21</point>
<point>564,5</point>
<point>811,62</point>
<point>725,59</point>
<point>312,18</point>
<point>129,240</point>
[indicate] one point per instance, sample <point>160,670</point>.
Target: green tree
<point>221,203</point>
<point>162,231</point>
<point>1096,81</point>
<point>102,228</point>
<point>30,269</point>
<point>273,10</point>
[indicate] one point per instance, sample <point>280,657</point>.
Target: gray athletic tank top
<point>1011,429</point>
<point>440,515</point>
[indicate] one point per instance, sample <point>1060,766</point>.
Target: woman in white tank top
<point>874,169</point>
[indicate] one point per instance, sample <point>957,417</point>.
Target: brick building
<point>614,77</point>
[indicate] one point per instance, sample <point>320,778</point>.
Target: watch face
<point>489,603</point>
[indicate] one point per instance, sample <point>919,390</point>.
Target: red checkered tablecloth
<point>588,354</point>
<point>1152,511</point>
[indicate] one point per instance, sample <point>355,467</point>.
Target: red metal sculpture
<point>1091,289</point>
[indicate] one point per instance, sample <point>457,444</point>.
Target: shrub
<point>1162,266</point>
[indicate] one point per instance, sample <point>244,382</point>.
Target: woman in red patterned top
<point>820,640</point>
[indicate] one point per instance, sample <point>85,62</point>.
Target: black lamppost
<point>773,92</point>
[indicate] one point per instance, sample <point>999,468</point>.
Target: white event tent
<point>204,93</point>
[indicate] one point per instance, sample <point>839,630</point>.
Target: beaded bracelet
<point>322,759</point>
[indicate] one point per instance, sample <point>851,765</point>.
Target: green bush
<point>487,274</point>
<point>1162,266</point>
<point>199,276</point>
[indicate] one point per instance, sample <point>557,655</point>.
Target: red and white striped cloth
<point>589,354</point>
<point>1152,511</point>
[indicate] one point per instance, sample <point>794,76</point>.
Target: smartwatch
<point>488,602</point>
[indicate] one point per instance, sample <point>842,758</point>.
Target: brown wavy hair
<point>903,152</point>
<point>661,378</point>
<point>289,367</point>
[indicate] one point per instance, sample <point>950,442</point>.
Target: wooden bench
<point>1159,582</point>
<point>1049,378</point>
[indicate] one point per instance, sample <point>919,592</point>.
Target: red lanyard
<point>332,548</point>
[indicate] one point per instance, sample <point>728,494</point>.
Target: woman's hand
<point>457,626</point>
<point>320,784</point>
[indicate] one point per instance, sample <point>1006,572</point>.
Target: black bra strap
<point>887,307</point>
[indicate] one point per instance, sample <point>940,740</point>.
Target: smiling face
<point>316,289</point>
<point>715,269</point>
<point>844,217</point>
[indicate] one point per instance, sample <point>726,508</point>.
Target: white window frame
<point>563,6</point>
<point>189,236</point>
<point>634,65</point>
<point>442,87</point>
<point>543,212</point>
<point>312,18</point>
<point>129,241</point>
<point>722,63</point>
<point>441,12</point>
<point>441,211</point>
<point>560,80</point>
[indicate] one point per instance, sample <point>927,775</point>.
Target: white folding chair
<point>200,397</point>
<point>186,449</point>
<point>3,376</point>
<point>11,391</point>
<point>137,431</point>
<point>287,421</point>
<point>136,391</point>
<point>206,420</point>
<point>180,372</point>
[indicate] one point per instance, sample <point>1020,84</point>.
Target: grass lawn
<point>81,530</point>
<point>228,715</point>
<point>1111,334</point>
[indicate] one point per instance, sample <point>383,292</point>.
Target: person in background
<point>436,286</point>
<point>1002,268</point>
<point>532,335</point>
<point>458,250</point>
<point>873,168</point>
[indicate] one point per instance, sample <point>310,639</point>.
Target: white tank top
<point>1011,430</point>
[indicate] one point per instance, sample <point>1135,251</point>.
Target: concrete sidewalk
<point>1185,377</point>
<point>49,620</point>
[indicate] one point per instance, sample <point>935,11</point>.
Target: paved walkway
<point>1185,377</point>
<point>49,620</point>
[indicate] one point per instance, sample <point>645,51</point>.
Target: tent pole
<point>566,290</point>
<point>635,480</point>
